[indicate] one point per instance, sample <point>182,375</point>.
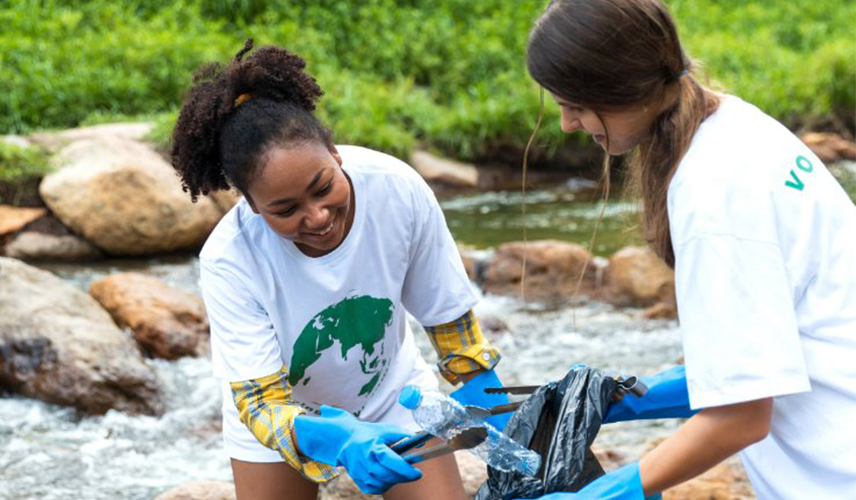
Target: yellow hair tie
<point>242,99</point>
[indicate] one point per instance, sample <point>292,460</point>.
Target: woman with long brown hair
<point>760,235</point>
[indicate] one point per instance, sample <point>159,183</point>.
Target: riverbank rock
<point>167,322</point>
<point>200,490</point>
<point>553,269</point>
<point>830,147</point>
<point>58,345</point>
<point>16,140</point>
<point>126,199</point>
<point>444,171</point>
<point>636,277</point>
<point>47,239</point>
<point>32,246</point>
<point>13,219</point>
<point>54,141</point>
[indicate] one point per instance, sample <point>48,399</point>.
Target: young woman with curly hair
<point>307,282</point>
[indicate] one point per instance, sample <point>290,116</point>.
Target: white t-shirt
<point>337,322</point>
<point>765,269</point>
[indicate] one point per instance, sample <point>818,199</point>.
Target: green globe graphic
<point>358,325</point>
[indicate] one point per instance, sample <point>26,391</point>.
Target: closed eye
<point>288,211</point>
<point>324,190</point>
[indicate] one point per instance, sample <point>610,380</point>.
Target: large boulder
<point>127,200</point>
<point>54,141</point>
<point>636,277</point>
<point>58,345</point>
<point>553,269</point>
<point>444,171</point>
<point>167,322</point>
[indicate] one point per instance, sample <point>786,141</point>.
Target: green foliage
<point>19,164</point>
<point>791,59</point>
<point>846,175</point>
<point>446,73</point>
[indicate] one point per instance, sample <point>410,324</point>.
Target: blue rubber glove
<point>622,484</point>
<point>667,397</point>
<point>472,393</point>
<point>337,438</point>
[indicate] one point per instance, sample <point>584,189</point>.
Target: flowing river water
<point>49,452</point>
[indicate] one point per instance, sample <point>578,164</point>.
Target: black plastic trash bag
<point>559,421</point>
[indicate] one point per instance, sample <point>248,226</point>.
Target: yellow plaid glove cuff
<point>461,347</point>
<point>266,408</point>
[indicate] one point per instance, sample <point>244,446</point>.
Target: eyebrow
<point>283,201</point>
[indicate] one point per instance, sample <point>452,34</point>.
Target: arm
<point>667,397</point>
<point>316,445</point>
<point>705,440</point>
<point>266,408</point>
<point>465,356</point>
<point>462,349</point>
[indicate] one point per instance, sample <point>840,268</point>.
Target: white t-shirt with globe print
<point>337,322</point>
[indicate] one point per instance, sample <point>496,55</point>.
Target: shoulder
<point>234,240</point>
<point>738,141</point>
<point>737,163</point>
<point>377,166</point>
<point>385,177</point>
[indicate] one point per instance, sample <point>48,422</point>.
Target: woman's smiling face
<point>627,128</point>
<point>304,196</point>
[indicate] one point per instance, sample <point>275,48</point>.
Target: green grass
<point>21,170</point>
<point>448,74</point>
<point>19,164</point>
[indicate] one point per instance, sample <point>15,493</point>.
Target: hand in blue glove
<point>622,484</point>
<point>337,438</point>
<point>472,393</point>
<point>667,397</point>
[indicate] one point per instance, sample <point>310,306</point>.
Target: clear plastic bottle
<point>444,417</point>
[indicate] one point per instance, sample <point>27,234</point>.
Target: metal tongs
<point>474,436</point>
<point>475,412</point>
<point>466,439</point>
<point>627,385</point>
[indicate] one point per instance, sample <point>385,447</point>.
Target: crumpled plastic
<point>559,421</point>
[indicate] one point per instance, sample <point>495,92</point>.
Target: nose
<point>317,216</point>
<point>570,122</point>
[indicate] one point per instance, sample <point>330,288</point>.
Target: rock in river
<point>58,345</point>
<point>126,199</point>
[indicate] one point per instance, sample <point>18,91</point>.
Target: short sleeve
<point>740,334</point>
<point>244,344</point>
<point>436,287</point>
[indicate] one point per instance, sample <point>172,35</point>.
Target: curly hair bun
<point>232,112</point>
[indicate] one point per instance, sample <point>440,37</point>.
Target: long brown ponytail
<point>658,158</point>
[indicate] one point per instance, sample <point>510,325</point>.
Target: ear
<point>251,203</point>
<point>335,153</point>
